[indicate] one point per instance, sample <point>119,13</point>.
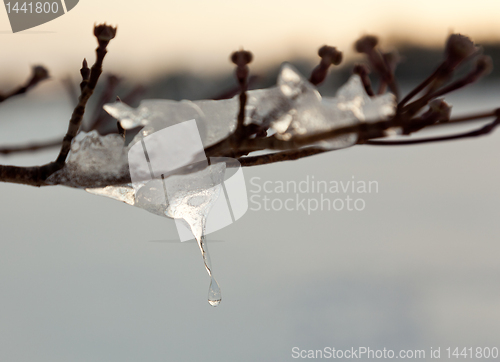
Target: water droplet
<point>214,295</point>
<point>214,303</point>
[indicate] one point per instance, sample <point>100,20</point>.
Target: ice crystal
<point>93,157</point>
<point>292,107</point>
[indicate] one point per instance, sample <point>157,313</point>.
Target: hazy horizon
<point>158,36</point>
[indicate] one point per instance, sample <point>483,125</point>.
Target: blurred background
<point>84,278</point>
<point>156,37</point>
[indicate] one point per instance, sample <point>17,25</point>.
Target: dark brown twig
<point>483,67</point>
<point>235,90</point>
<point>421,86</point>
<point>281,156</point>
<point>458,49</point>
<point>104,34</point>
<point>241,59</point>
<point>362,71</point>
<point>329,55</point>
<point>476,133</point>
<point>31,147</point>
<point>38,74</point>
<point>383,64</point>
<point>37,175</point>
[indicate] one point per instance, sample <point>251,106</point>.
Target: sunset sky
<point>158,36</point>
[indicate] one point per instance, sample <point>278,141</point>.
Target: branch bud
<point>104,33</point>
<point>39,73</point>
<point>366,44</point>
<point>484,65</point>
<point>458,47</point>
<point>85,71</point>
<point>330,54</point>
<point>241,58</point>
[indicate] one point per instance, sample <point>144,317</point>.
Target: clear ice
<point>190,198</point>
<point>101,159</point>
<point>308,112</point>
<point>292,107</point>
<point>186,197</point>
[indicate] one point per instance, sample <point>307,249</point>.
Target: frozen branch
<point>254,132</point>
<point>37,176</point>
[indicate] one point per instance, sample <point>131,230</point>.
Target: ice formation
<point>101,159</point>
<point>292,107</point>
<point>187,197</point>
<point>190,198</point>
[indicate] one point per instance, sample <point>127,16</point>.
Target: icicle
<point>190,198</point>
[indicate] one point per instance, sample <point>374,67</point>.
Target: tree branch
<point>280,156</point>
<point>479,132</point>
<point>248,138</point>
<point>38,74</point>
<point>31,147</point>
<point>36,176</point>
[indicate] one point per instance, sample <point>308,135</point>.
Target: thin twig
<point>281,156</point>
<point>38,74</point>
<point>479,132</point>
<point>233,91</point>
<point>472,117</point>
<point>103,34</point>
<point>483,66</point>
<point>362,71</point>
<point>421,86</point>
<point>31,147</point>
<point>37,176</point>
<point>241,59</point>
<point>329,55</point>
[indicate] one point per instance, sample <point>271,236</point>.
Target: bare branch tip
<point>366,44</point>
<point>85,71</point>
<point>104,32</point>
<point>241,57</point>
<point>484,65</point>
<point>40,73</point>
<point>331,54</point>
<point>459,47</point>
